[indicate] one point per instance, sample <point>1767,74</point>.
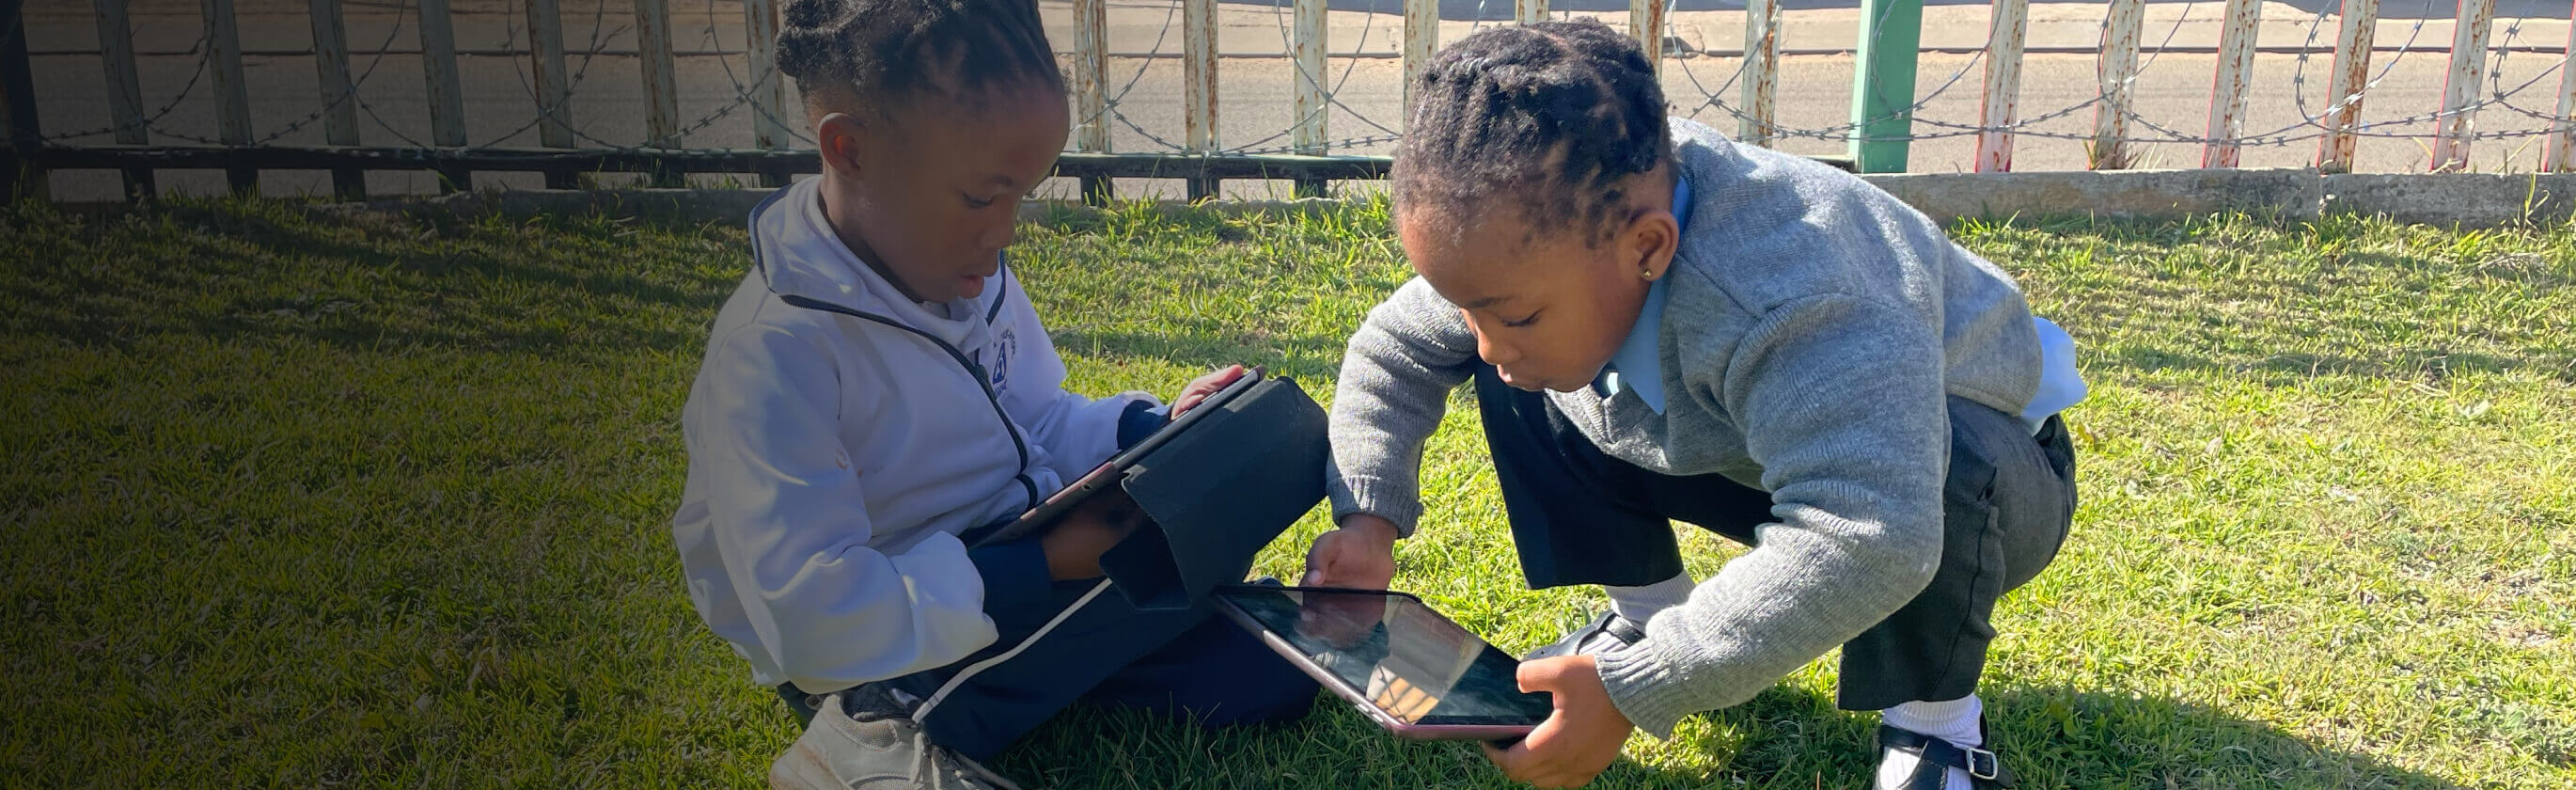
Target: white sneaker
<point>874,752</point>
<point>1605,633</point>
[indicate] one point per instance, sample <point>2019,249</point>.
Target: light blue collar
<point>1639,355</point>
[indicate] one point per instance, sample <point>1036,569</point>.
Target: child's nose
<point>1000,235</point>
<point>1496,354</point>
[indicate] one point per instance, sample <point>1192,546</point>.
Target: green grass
<point>312,501</point>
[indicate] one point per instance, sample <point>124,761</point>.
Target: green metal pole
<point>1891,33</point>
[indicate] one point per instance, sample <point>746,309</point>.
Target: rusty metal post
<point>2005,32</point>
<point>1761,97</point>
<point>2460,86</point>
<point>2232,86</point>
<point>1091,91</point>
<point>2351,75</point>
<point>2117,73</point>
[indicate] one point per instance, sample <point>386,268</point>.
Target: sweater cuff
<point>1376,497</point>
<point>1140,419</point>
<point>1641,682</point>
<point>1015,574</point>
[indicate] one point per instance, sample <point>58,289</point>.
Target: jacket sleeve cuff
<point>1015,573</point>
<point>1395,502</point>
<point>1140,419</point>
<point>1641,682</point>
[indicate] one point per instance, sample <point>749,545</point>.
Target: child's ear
<point>841,139</point>
<point>1649,243</point>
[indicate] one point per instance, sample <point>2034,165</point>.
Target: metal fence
<point>1886,114</point>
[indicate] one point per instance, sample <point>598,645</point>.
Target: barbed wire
<point>1699,93</point>
<point>204,52</point>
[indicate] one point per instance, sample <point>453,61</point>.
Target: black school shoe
<point>1985,771</point>
<point>1605,633</point>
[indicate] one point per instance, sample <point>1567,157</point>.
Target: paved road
<point>1255,92</point>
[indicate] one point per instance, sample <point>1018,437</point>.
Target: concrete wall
<point>2119,194</point>
<point>2466,199</point>
<point>2446,199</point>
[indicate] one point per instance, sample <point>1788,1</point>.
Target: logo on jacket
<point>1005,346</point>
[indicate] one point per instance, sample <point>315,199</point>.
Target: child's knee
<point>1269,692</point>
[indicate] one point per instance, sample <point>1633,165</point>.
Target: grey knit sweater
<point>1812,328</point>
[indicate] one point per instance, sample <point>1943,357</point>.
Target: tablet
<point>1106,474</point>
<point>1402,664</point>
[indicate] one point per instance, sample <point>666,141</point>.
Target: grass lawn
<point>311,501</point>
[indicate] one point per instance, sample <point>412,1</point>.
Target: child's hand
<point>1205,386</point>
<point>1358,555</point>
<point>1576,742</point>
<point>1074,543</point>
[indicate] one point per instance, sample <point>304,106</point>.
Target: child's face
<point>933,197</point>
<point>1547,310</point>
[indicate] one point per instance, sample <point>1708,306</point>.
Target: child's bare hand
<point>1075,542</point>
<point>1360,554</point>
<point>1579,740</point>
<point>1205,386</point>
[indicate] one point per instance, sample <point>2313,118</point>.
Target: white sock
<point>1954,721</point>
<point>1641,603</point>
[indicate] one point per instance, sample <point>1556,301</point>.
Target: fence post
<point>1761,92</point>
<point>232,97</point>
<point>770,112</point>
<point>1891,32</point>
<point>1421,36</point>
<point>1527,11</point>
<point>339,94</point>
<point>2351,73</point>
<point>554,83</point>
<point>1091,91</point>
<point>1646,22</point>
<point>2116,73</point>
<point>2559,156</point>
<point>2460,87</point>
<point>2005,32</point>
<point>1313,106</point>
<point>19,177</point>
<point>1198,58</point>
<point>2232,85</point>
<point>661,88</point>
<point>124,91</point>
<point>446,91</point>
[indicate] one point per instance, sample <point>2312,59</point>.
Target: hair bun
<point>808,31</point>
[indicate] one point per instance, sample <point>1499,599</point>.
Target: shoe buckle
<point>1982,763</point>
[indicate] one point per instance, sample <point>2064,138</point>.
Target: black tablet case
<point>1218,493</point>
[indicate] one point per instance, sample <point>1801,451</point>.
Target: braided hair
<point>888,52</point>
<point>1554,116</point>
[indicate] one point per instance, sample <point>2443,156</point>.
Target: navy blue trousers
<point>1580,516</point>
<point>1194,664</point>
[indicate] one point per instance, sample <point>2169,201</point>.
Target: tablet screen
<point>1403,657</point>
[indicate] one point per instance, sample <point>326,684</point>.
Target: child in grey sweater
<point>1660,325</point>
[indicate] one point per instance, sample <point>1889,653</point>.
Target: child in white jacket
<point>880,385</point>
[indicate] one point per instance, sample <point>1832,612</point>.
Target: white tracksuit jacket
<point>841,435</point>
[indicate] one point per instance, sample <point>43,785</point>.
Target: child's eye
<point>974,202</point>
<point>1532,319</point>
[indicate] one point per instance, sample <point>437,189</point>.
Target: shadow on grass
<point>1784,738</point>
<point>2061,737</point>
<point>558,289</point>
